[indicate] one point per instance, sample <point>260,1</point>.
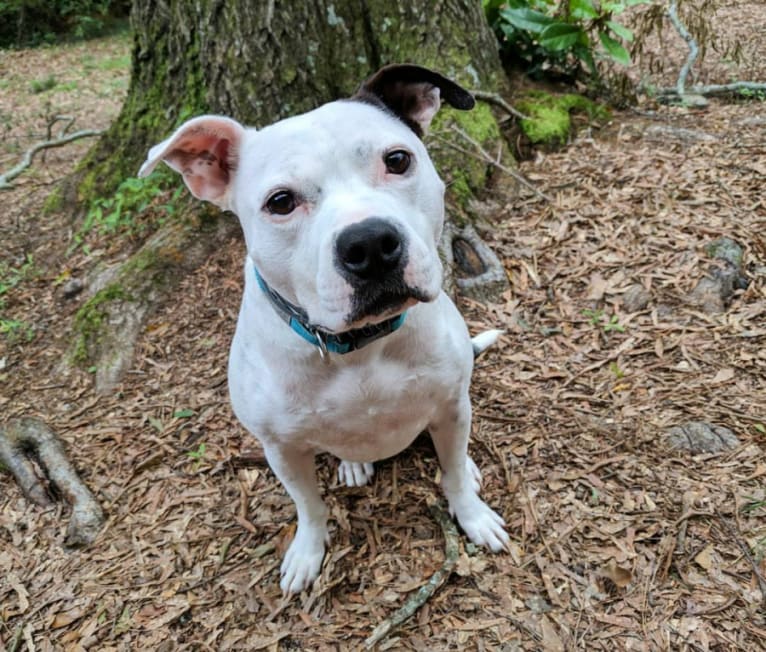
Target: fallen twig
<point>488,159</point>
<point>421,596</point>
<point>710,90</point>
<point>492,98</point>
<point>14,643</point>
<point>62,139</point>
<point>22,436</point>
<point>736,536</point>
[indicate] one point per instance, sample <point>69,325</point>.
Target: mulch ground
<point>619,540</point>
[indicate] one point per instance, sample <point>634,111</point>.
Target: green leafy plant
<point>125,212</point>
<point>598,318</point>
<point>15,330</point>
<point>42,85</point>
<point>197,455</point>
<point>753,504</point>
<point>614,325</point>
<point>32,22</point>
<point>547,36</point>
<point>750,94</point>
<point>10,276</point>
<point>594,316</point>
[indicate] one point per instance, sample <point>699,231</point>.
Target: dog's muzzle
<point>371,256</point>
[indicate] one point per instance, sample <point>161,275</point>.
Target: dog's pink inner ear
<point>413,93</point>
<point>206,162</point>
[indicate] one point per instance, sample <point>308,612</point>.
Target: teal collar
<point>297,319</point>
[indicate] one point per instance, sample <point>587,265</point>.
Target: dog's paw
<point>474,475</point>
<point>303,560</point>
<point>481,524</point>
<point>355,474</point>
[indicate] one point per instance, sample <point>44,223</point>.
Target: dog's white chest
<point>359,413</point>
<point>369,417</point>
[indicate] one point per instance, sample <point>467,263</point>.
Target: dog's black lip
<point>385,302</point>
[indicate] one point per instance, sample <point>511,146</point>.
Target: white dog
<point>345,341</point>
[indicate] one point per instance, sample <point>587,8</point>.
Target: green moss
<point>550,115</point>
<point>149,263</point>
<point>89,321</point>
<point>54,202</point>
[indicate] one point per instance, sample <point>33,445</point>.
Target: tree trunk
<point>262,61</point>
<point>258,63</point>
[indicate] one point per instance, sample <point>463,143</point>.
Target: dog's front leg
<point>461,478</point>
<point>297,472</point>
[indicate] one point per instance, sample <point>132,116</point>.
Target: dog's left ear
<point>204,151</point>
<point>413,93</point>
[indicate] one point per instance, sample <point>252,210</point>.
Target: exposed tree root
<point>475,268</point>
<point>421,596</point>
<point>691,44</point>
<point>711,90</point>
<point>62,139</point>
<point>110,320</point>
<point>22,437</point>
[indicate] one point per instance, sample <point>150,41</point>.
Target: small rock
<point>755,121</point>
<point>726,249</point>
<point>635,298</point>
<point>702,437</point>
<point>72,288</point>
<point>537,604</point>
<point>665,311</point>
<point>668,132</point>
<point>714,292</point>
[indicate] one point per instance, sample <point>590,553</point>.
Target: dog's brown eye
<point>281,202</point>
<point>397,162</point>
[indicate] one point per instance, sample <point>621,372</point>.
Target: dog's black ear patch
<point>413,93</point>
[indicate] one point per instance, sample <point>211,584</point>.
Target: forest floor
<point>621,540</point>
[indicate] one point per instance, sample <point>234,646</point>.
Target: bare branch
<point>492,98</point>
<point>62,139</point>
<point>487,158</point>
<point>690,42</point>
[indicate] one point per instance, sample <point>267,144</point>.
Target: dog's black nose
<point>369,249</point>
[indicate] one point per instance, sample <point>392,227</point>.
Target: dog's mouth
<point>374,304</point>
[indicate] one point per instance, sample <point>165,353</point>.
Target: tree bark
<point>259,62</point>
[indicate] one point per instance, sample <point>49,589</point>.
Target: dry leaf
<point>65,618</point>
<point>705,557</point>
<point>21,592</point>
<point>621,577</point>
<point>467,566</point>
<point>551,640</point>
<point>597,288</point>
<point>723,376</point>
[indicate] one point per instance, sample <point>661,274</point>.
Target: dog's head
<point>341,207</point>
